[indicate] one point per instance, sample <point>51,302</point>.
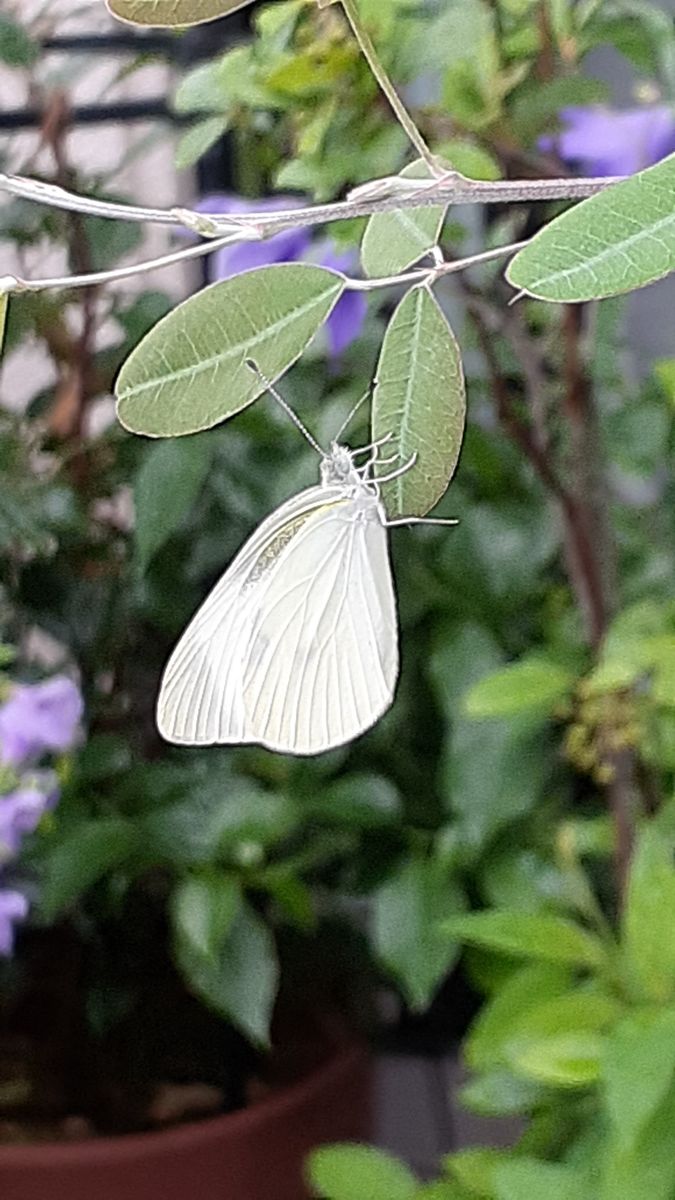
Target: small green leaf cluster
<point>578,1038</point>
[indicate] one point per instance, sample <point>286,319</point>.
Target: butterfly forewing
<point>296,646</point>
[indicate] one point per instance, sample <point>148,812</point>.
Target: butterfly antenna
<point>253,366</point>
<point>352,413</point>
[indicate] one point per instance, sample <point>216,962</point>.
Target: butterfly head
<point>338,466</point>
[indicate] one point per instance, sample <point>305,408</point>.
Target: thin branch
<point>400,111</point>
<point>440,268</point>
<point>450,189</point>
<point>12,283</point>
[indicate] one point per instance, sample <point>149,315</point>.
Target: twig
<point>454,189</point>
<point>12,283</point>
<point>580,552</point>
<point>400,111</point>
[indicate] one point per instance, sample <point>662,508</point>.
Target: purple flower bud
<point>20,813</point>
<point>13,907</point>
<point>38,718</point>
<point>605,141</point>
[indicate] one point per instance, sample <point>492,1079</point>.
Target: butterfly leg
<point>399,471</point>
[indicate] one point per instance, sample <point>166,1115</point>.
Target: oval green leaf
<point>533,683</point>
<point>238,977</point>
<point>407,912</point>
<point>563,1060</point>
<point>168,483</point>
<point>166,14</point>
<point>353,1172</point>
<point>190,372</point>
<point>419,399</point>
<point>540,936</point>
<point>394,241</point>
<point>618,240</point>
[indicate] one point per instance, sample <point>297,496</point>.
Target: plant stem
<point>596,586</point>
<point>437,271</point>
<point>11,283</point>
<point>451,189</point>
<point>400,111</point>
<point>587,531</point>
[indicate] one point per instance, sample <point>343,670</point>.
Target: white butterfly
<point>296,647</point>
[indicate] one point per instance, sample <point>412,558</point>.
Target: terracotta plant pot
<point>254,1154</point>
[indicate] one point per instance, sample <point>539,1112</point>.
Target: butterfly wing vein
<point>296,646</point>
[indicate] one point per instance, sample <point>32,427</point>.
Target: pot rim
<point>342,1059</point>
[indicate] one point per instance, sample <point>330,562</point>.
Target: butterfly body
<point>296,647</point>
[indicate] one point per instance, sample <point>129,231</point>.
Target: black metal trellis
<point>214,170</point>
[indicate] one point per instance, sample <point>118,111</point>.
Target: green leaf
<point>357,800</point>
<point>17,48</point>
<point>638,1070</point>
<point>169,13</point>
<point>664,369</point>
<point>466,42</point>
<point>81,858</point>
<point>475,1168</point>
<point>643,1170</point>
<point>531,935</point>
<point>470,159</point>
<point>190,371</point>
<point>359,1173</point>
<point>197,140</point>
<point>223,84</point>
<point>648,936</point>
<point>203,908</point>
<point>551,1039</point>
<point>494,770</point>
<point>528,1179</point>
<point>505,1013</point>
<point>500,1093</point>
<point>442,1189</point>
<point>240,983</point>
<point>217,815</point>
<point>407,915</point>
<point>395,240</point>
<point>618,240</point>
<point>564,1060</point>
<point>532,683</point>
<point>167,485</point>
<point>419,399</point>
<point>582,1010</point>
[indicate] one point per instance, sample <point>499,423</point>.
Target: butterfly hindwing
<point>322,655</point>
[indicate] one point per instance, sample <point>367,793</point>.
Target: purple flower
<point>344,323</point>
<point>20,813</point>
<point>292,245</point>
<point>605,141</point>
<point>13,907</point>
<point>287,246</point>
<point>39,717</point>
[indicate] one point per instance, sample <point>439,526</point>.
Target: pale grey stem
<point>12,283</point>
<point>449,189</point>
<point>431,274</point>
